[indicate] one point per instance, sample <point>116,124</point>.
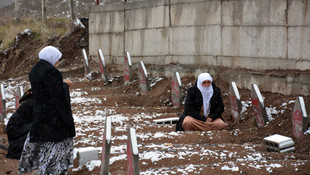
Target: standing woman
<point>49,144</point>
<point>203,107</point>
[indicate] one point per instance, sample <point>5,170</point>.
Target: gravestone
<point>85,155</point>
<point>176,90</point>
<point>261,117</point>
<point>235,102</point>
<point>2,105</point>
<point>106,145</point>
<point>87,73</point>
<point>127,68</point>
<point>19,94</point>
<point>132,153</point>
<point>299,118</point>
<point>143,79</point>
<point>172,120</point>
<point>103,70</point>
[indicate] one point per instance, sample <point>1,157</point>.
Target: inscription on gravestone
<point>106,145</point>
<point>132,153</point>
<point>176,90</point>
<point>235,102</point>
<point>86,65</point>
<point>143,79</point>
<point>261,117</point>
<point>127,68</point>
<point>19,94</point>
<point>299,118</point>
<point>103,70</point>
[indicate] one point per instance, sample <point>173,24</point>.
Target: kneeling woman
<point>203,107</point>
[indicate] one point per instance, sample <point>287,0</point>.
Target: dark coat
<point>52,115</point>
<point>194,102</point>
<point>18,127</point>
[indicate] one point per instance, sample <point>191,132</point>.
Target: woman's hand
<point>68,82</point>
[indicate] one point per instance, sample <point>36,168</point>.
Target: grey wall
<point>237,34</point>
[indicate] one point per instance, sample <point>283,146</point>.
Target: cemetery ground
<point>237,150</point>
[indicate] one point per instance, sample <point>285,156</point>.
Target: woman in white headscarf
<point>203,107</point>
<point>49,145</point>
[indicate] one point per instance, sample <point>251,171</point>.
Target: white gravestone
<point>143,79</point>
<point>19,94</point>
<point>127,68</point>
<point>106,145</point>
<point>132,153</point>
<point>103,69</point>
<point>235,101</point>
<point>176,90</point>
<point>172,120</point>
<point>2,105</point>
<point>85,155</point>
<point>261,117</point>
<point>299,118</point>
<point>87,73</point>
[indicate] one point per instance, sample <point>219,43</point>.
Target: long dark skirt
<point>46,157</point>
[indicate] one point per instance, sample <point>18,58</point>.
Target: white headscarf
<point>50,54</point>
<point>206,92</point>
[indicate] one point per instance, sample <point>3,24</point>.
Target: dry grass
<point>53,27</point>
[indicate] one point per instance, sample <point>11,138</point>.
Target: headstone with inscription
<point>235,102</point>
<point>87,73</point>
<point>299,118</point>
<point>176,90</point>
<point>103,69</point>
<point>2,105</point>
<point>19,94</point>
<point>261,117</point>
<point>106,145</point>
<point>127,68</point>
<point>143,79</point>
<point>132,153</point>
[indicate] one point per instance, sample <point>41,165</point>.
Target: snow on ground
<point>86,116</point>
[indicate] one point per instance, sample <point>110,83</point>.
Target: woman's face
<point>206,83</point>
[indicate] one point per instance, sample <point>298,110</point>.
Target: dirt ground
<point>18,60</point>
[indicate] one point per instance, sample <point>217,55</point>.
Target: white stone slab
<point>86,155</point>
<point>171,120</point>
<point>235,101</point>
<point>299,118</point>
<point>103,69</point>
<point>143,79</point>
<point>261,117</point>
<point>176,90</point>
<point>127,68</point>
<point>132,152</point>
<point>2,92</point>
<point>106,145</point>
<point>86,65</point>
<point>278,143</point>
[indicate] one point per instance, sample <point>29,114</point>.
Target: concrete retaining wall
<point>237,34</point>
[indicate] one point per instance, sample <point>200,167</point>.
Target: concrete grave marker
<point>127,68</point>
<point>2,105</point>
<point>258,106</point>
<point>172,120</point>
<point>86,155</point>
<point>103,70</point>
<point>279,143</point>
<point>176,90</point>
<point>132,153</point>
<point>86,65</point>
<point>299,118</point>
<point>106,145</point>
<point>235,102</point>
<point>143,79</point>
<point>19,94</point>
